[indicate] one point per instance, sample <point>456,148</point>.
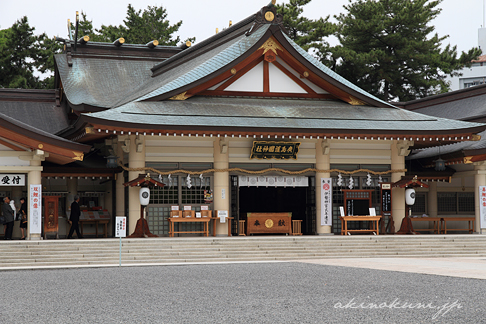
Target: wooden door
<point>51,215</point>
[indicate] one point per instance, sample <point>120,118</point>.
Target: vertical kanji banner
<point>35,210</point>
<point>326,201</point>
<point>482,206</point>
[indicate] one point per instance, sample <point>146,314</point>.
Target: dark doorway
<point>265,200</point>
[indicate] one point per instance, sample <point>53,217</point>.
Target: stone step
<point>99,252</point>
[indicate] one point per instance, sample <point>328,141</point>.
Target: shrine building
<point>245,121</point>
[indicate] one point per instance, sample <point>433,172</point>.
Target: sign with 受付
<point>274,150</point>
<point>12,179</point>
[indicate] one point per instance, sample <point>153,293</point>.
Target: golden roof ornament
<point>180,96</point>
<point>355,102</point>
<point>270,45</point>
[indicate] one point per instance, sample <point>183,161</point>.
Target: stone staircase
<point>105,252</point>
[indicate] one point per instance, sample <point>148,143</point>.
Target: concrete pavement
<point>453,267</point>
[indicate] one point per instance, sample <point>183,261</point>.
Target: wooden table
<point>173,220</point>
<point>268,223</point>
<point>437,224</point>
<point>228,220</point>
<point>96,222</point>
<point>470,221</point>
<point>373,219</point>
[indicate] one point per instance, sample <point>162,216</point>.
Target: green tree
<point>139,27</point>
<point>305,32</point>
<point>22,54</point>
<point>387,47</point>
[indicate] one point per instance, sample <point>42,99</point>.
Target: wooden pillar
<point>432,200</point>
<point>136,159</point>
<point>323,162</point>
<point>479,180</point>
<point>221,182</point>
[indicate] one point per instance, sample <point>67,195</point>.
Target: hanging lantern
<point>439,165</point>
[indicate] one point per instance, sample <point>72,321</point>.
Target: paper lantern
<point>410,196</point>
<point>144,196</point>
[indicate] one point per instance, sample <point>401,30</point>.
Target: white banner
<point>120,226</point>
<point>35,210</point>
<point>482,206</point>
<point>326,202</point>
<point>273,181</point>
<point>12,179</point>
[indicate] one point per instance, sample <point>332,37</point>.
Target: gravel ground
<point>237,293</point>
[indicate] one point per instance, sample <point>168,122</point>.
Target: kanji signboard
<point>274,150</point>
<point>12,179</point>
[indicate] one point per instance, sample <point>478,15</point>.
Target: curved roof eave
<point>18,127</point>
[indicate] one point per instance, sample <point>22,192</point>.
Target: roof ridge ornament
<point>180,96</point>
<point>270,45</point>
<point>267,15</point>
<point>355,102</point>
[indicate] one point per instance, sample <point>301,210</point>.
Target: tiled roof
<point>41,115</point>
<point>448,149</point>
<point>272,114</point>
<point>100,82</point>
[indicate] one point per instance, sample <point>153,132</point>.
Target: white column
<point>221,182</point>
<point>120,189</point>
<point>479,180</point>
<point>34,178</point>
<point>136,159</point>
<point>323,162</point>
<point>432,200</point>
<point>398,194</point>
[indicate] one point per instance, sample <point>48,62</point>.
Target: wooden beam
<point>266,77</point>
<point>266,94</point>
<point>10,145</point>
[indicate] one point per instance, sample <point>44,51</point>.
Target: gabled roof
<point>60,150</point>
<point>190,92</point>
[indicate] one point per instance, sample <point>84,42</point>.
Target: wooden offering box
<point>268,223</point>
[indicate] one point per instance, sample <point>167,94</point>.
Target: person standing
<point>74,218</point>
<point>23,217</point>
<point>8,213</point>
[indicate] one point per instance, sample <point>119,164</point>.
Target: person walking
<point>8,213</point>
<point>74,218</point>
<point>23,217</point>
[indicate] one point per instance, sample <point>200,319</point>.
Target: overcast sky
<point>460,19</point>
